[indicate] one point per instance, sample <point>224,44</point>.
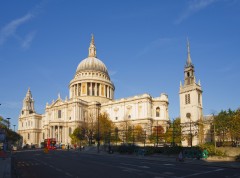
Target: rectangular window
<point>189,101</point>
<point>59,114</point>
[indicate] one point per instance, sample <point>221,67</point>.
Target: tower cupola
<point>28,103</point>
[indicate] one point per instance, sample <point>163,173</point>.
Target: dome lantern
<point>92,48</point>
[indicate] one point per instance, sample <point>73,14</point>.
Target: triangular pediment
<point>58,102</point>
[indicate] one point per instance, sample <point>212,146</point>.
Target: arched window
<point>129,116</point>
<point>157,112</point>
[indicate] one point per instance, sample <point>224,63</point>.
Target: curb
<point>234,165</point>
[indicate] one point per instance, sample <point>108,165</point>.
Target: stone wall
<point>230,151</point>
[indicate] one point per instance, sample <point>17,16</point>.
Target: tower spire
<point>92,48</point>
<point>189,61</point>
<point>28,103</point>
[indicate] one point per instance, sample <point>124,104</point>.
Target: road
<point>68,164</point>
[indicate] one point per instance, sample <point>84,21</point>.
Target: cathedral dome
<point>92,82</point>
<point>92,64</point>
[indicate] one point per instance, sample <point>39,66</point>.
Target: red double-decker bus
<point>50,143</point>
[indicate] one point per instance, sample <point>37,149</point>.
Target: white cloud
<point>28,39</point>
<point>193,7</point>
<point>112,73</point>
<point>153,45</point>
<point>10,29</point>
<point>12,104</point>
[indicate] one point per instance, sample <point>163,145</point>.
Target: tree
<point>11,136</point>
<point>174,132</point>
<point>103,127</point>
<point>125,125</point>
<point>139,133</point>
<point>157,134</point>
<point>3,123</point>
<point>236,125</point>
<point>79,134</point>
<point>222,125</point>
<point>227,125</point>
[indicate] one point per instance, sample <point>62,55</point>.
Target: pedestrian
<point>68,147</point>
<point>180,157</point>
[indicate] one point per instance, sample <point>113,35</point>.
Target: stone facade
<point>90,91</point>
<point>191,109</point>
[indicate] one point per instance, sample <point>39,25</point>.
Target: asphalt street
<point>67,164</point>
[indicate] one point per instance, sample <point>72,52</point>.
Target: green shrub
<point>211,149</point>
<point>127,148</point>
<point>237,158</point>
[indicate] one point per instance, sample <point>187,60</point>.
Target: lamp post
<point>144,137</point>
<point>214,134</point>
<point>157,133</point>
<point>173,134</point>
<point>98,144</point>
<point>98,134</point>
<point>14,127</point>
<point>190,121</point>
<point>8,122</point>
<point>191,131</point>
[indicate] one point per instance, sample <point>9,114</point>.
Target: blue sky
<point>142,43</point>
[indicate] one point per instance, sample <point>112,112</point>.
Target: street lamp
<point>8,122</point>
<point>157,133</point>
<point>144,137</point>
<point>214,134</point>
<point>14,127</point>
<point>98,144</point>
<point>173,133</point>
<point>189,117</point>
<point>98,134</point>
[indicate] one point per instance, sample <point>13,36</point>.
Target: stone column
<point>110,92</point>
<point>50,132</point>
<point>95,89</point>
<point>58,134</point>
<point>91,89</point>
<point>54,131</point>
<point>77,90</point>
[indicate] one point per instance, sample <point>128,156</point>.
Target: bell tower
<point>191,110</point>
<point>28,104</point>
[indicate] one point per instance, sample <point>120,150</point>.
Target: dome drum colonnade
<point>91,81</point>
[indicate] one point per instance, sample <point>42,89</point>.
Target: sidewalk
<point>225,163</point>
<point>5,167</point>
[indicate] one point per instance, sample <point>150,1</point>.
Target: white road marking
<point>127,169</point>
<point>57,169</point>
<point>68,174</point>
<point>145,167</point>
<point>200,173</point>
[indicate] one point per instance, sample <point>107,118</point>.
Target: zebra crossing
<point>26,163</point>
